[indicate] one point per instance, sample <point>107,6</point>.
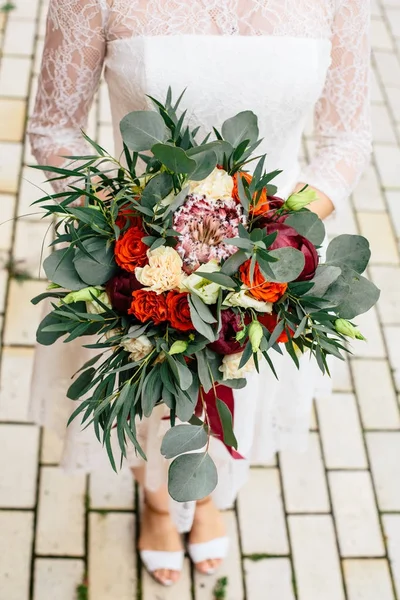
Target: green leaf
<point>362,296</point>
<point>151,390</point>
<point>350,251</point>
<point>192,477</point>
<point>243,126</point>
<point>157,189</point>
<point>140,130</point>
<point>43,335</point>
<point>324,277</point>
<point>78,388</point>
<point>100,266</point>
<point>289,266</point>
<point>232,264</point>
<point>206,161</point>
<point>219,278</point>
<point>184,374</point>
<point>41,297</point>
<point>59,268</point>
<point>309,225</point>
<point>203,328</point>
<point>174,158</point>
<point>227,424</point>
<point>185,404</point>
<point>204,312</point>
<point>183,438</point>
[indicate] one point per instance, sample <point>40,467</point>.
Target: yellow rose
<point>164,271</point>
<point>218,185</point>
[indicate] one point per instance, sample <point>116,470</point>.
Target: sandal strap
<point>216,549</point>
<point>157,561</point>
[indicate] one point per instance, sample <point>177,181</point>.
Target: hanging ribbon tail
<point>225,394</point>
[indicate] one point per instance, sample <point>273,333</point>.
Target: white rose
<point>218,185</point>
<point>230,366</point>
<point>206,290</point>
<point>164,271</point>
<point>95,309</point>
<point>138,347</point>
<point>244,300</point>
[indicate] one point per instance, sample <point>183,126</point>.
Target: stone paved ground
<point>319,526</point>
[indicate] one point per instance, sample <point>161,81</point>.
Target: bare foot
<point>159,534</point>
<point>207,525</point>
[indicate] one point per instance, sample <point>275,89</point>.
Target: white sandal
<point>216,549</point>
<point>154,560</point>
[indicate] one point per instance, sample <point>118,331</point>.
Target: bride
<point>278,58</point>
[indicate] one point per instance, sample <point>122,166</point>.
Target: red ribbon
<point>225,394</point>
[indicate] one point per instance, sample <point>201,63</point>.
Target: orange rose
<point>179,311</point>
<point>148,306</point>
<point>268,291</point>
<point>128,215</point>
<point>130,252</point>
<point>262,205</point>
<point>270,321</point>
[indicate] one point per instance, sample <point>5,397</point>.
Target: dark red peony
<point>227,343</point>
<point>120,288</point>
<point>288,236</point>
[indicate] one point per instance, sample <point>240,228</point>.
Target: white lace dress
<point>278,58</point>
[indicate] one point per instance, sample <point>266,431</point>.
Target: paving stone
<point>388,67</point>
<point>391,526</point>
<point>369,326</point>
<point>382,127</point>
<point>10,164</point>
<point>376,227</point>
<point>20,37</point>
<point>376,90</point>
<point>63,575</point>
<point>272,576</point>
<point>384,452</point>
<point>341,377</point>
<point>3,288</point>
<point>12,120</point>
<point>23,331</point>
<point>16,372</point>
<point>7,204</point>
<point>392,336</point>
<point>375,394</point>
<point>356,514</point>
<point>304,480</point>
<point>52,448</point>
<point>18,465</point>
<point>109,490</point>
<point>368,580</point>
<point>231,568</point>
<point>33,187</point>
<point>393,200</point>
<point>152,590</point>
<point>262,531</point>
<point>393,16</point>
<point>25,9</point>
<point>341,433</point>
<point>393,94</point>
<point>61,532</point>
<point>15,74</point>
<point>387,279</point>
<point>368,195</point>
<point>315,556</point>
<point>112,560</point>
<point>15,554</point>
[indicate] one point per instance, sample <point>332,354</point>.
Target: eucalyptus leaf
<point>219,278</point>
<point>205,165</point>
<point>59,268</point>
<point>43,335</point>
<point>100,266</point>
<point>309,225</point>
<point>204,372</point>
<point>324,276</point>
<point>151,390</point>
<point>232,264</point>
<point>140,130</point>
<point>203,328</point>
<point>243,126</point>
<point>350,251</point>
<point>183,438</point>
<point>203,310</point>
<point>192,477</point>
<point>79,386</point>
<point>227,424</point>
<point>157,189</point>
<point>289,266</point>
<point>362,296</point>
<point>174,158</point>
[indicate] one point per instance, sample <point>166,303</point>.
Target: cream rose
<point>164,271</point>
<point>207,290</point>
<point>244,300</point>
<point>138,347</point>
<point>230,366</point>
<point>218,185</point>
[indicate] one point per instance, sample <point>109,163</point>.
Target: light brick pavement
<point>320,526</point>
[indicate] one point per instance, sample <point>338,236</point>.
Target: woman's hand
<point>323,207</point>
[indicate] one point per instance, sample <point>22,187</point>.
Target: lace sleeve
<point>342,115</point>
<point>71,68</point>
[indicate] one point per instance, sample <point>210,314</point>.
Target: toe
<point>206,567</point>
<point>163,577</point>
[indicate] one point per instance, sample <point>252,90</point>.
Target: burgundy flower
<point>288,236</point>
<point>275,204</point>
<point>227,343</point>
<point>120,288</point>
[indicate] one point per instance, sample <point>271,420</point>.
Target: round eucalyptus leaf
<point>59,268</point>
<point>324,277</point>
<point>183,438</point>
<point>362,296</point>
<point>243,126</point>
<point>349,251</point>
<point>142,129</point>
<point>309,225</point>
<point>205,165</point>
<point>192,477</point>
<point>99,266</point>
<point>289,265</point>
<point>47,338</point>
<point>175,159</point>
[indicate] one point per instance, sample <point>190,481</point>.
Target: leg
<point>207,525</point>
<point>157,531</point>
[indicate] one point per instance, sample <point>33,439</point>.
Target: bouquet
<point>186,276</point>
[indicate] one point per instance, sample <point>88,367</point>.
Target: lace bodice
<point>277,57</point>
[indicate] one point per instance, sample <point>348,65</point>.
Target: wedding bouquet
<point>186,277</point>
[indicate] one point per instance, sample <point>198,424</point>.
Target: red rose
<point>259,287</point>
<point>120,288</point>
<point>128,215</point>
<point>179,311</point>
<point>130,252</point>
<point>288,237</point>
<point>148,306</point>
<point>270,321</point>
<point>227,343</point>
